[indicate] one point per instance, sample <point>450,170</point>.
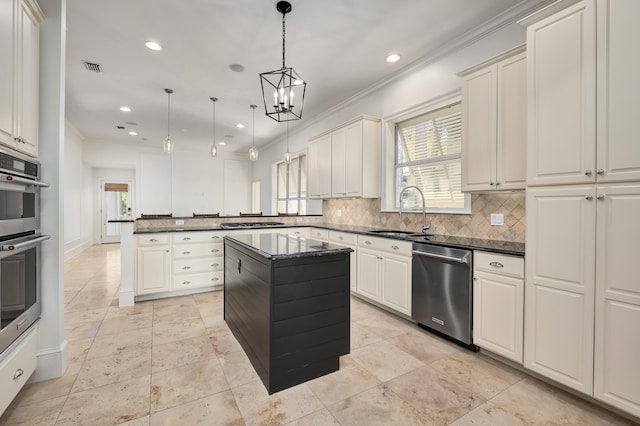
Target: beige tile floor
<point>174,362</point>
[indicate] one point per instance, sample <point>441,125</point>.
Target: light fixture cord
<point>287,134</point>
<point>168,115</point>
<point>253,128</point>
<point>214,121</point>
<point>283,27</point>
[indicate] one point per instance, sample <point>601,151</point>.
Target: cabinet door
<point>28,98</point>
<point>353,156</point>
<point>153,269</point>
<point>479,130</point>
<point>319,168</point>
<point>618,91</point>
<point>338,164</point>
<point>368,275</point>
<point>396,283</point>
<point>6,72</point>
<point>498,314</point>
<point>561,96</point>
<point>618,297</point>
<point>511,147</point>
<point>560,279</point>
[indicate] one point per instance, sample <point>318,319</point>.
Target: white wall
<point>422,83</point>
<point>237,187</point>
<point>77,195</point>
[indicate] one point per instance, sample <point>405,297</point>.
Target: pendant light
<point>253,152</point>
<point>214,148</point>
<point>169,145</point>
<point>287,154</point>
<point>283,90</point>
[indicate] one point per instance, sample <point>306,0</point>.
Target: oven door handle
<point>441,256</point>
<point>34,241</point>
<point>17,179</point>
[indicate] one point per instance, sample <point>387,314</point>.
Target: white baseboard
<point>52,363</point>
<point>74,248</point>
<point>127,298</point>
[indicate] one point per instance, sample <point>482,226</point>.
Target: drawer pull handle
<point>186,282</point>
<point>215,265</point>
<point>186,267</point>
<point>340,238</point>
<point>19,372</point>
<point>588,172</point>
<point>496,264</point>
<point>215,251</point>
<point>600,171</point>
<point>153,240</point>
<point>215,237</point>
<point>215,279</point>
<point>368,243</point>
<point>186,252</point>
<point>395,247</point>
<point>600,197</point>
<point>186,239</point>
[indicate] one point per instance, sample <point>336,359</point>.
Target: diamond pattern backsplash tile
<point>366,212</point>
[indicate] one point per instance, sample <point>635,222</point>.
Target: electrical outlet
<point>179,222</point>
<point>497,219</point>
<point>339,213</point>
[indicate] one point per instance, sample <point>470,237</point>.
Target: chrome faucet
<point>425,228</point>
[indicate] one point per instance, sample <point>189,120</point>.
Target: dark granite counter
<point>497,246</point>
<point>280,246</point>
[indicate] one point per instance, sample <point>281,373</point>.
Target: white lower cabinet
<point>498,304</point>
<point>346,239</point>
<point>17,367</point>
<point>198,259</point>
<point>153,264</point>
<point>384,272</point>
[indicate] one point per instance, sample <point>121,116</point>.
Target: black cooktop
<point>235,225</point>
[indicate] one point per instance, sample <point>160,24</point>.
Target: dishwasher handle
<point>464,259</point>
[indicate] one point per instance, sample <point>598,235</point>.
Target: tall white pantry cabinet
<point>582,291</point>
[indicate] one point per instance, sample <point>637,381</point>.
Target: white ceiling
<point>337,46</point>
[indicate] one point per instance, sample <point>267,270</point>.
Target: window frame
<point>300,191</point>
<point>391,185</point>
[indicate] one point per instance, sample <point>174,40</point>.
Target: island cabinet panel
<point>290,315</point>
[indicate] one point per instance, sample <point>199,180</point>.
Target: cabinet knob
<point>600,197</point>
<point>368,243</point>
<point>19,372</point>
<point>340,238</point>
<point>395,247</point>
<point>186,252</point>
<point>589,197</point>
<point>600,171</point>
<point>588,172</point>
<point>496,264</point>
<point>491,183</point>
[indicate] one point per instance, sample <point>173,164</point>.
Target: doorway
<point>116,202</point>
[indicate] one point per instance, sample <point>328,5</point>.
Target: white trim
<point>75,247</point>
<point>52,363</point>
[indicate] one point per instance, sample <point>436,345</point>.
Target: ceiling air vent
<point>92,66</point>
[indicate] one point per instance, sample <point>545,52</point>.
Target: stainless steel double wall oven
<point>20,240</point>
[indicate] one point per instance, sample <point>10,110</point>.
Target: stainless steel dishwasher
<point>442,293</point>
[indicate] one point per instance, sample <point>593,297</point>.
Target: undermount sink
<point>395,233</point>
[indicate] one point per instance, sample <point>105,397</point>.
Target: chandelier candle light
<point>283,90</point>
<point>214,148</point>
<point>168,143</point>
<point>253,152</point>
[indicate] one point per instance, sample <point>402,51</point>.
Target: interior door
<point>115,206</point>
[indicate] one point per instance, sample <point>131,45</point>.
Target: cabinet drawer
<point>153,239</point>
<point>197,250</point>
<point>389,245</point>
<point>197,237</point>
<point>22,363</point>
<point>298,232</point>
<point>204,279</point>
<point>499,264</point>
<point>343,238</point>
<point>319,234</point>
<point>201,264</point>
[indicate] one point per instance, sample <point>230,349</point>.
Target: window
<point>428,155</point>
<point>292,186</point>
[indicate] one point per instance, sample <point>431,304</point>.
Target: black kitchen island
<point>286,300</point>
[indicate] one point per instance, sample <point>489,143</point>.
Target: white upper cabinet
<point>618,150</point>
<point>19,74</point>
<point>345,162</point>
<point>494,123</point>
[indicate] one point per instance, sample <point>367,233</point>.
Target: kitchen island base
<point>289,313</point>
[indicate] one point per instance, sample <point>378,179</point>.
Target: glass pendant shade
<point>283,89</point>
<point>253,151</point>
<point>287,157</point>
<point>168,144</point>
<point>214,148</point>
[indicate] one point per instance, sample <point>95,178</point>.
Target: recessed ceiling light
<point>125,109</point>
<point>394,57</point>
<point>153,45</point>
<point>133,133</point>
<point>236,67</point>
<point>222,143</point>
<point>240,126</point>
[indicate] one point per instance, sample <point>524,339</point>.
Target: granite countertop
<point>496,246</point>
<point>282,246</point>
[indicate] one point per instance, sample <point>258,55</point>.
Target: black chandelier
<point>283,89</point>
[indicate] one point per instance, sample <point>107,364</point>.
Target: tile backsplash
<point>366,212</point>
